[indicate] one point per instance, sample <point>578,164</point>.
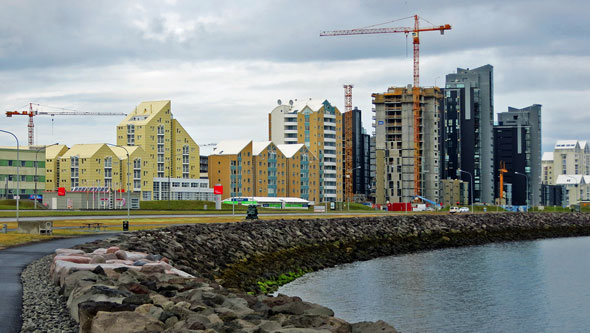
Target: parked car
<point>463,209</point>
<point>454,210</point>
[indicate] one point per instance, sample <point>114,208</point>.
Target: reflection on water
<point>536,286</point>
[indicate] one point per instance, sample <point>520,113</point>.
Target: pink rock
<point>121,254</point>
<point>69,251</point>
<point>113,249</point>
<point>100,251</point>
<point>120,262</point>
<point>74,259</point>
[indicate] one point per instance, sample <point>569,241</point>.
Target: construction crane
<point>502,171</point>
<point>417,113</point>
<point>32,113</point>
<point>348,167</point>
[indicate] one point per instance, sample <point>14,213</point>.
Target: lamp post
<point>526,177</point>
<point>17,172</point>
<point>36,165</point>
<point>350,173</point>
<point>470,185</point>
<point>128,200</point>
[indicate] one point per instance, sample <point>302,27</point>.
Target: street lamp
<point>17,172</point>
<point>527,187</point>
<point>36,165</point>
<point>470,185</point>
<point>128,200</point>
<point>350,173</point>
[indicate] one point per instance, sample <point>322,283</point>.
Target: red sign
<point>61,191</point>
<point>217,189</point>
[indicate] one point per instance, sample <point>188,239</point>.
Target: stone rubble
<point>143,292</point>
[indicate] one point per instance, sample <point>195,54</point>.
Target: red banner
<point>217,189</point>
<point>61,191</point>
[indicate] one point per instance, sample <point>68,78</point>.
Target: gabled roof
<point>547,156</point>
<point>314,104</point>
<point>566,144</point>
<point>230,147</point>
<point>121,153</point>
<point>290,150</point>
<point>144,112</point>
<point>570,179</point>
<point>259,146</point>
<point>85,150</point>
<point>53,152</point>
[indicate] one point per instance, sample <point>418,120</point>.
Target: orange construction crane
<point>32,113</point>
<point>348,167</point>
<point>416,89</point>
<point>502,171</point>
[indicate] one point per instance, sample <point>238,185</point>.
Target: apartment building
<point>394,145</point>
<point>30,175</point>
<point>52,158</point>
<point>151,126</point>
<point>517,144</point>
<point>317,125</point>
<point>101,165</point>
<point>359,160</point>
<point>547,175</point>
<point>468,122</point>
<point>263,169</point>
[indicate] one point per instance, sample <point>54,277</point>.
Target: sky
<point>224,64</point>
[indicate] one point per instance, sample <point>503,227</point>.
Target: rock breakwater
<point>228,260</point>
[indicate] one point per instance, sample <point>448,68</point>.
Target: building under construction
<point>395,148</point>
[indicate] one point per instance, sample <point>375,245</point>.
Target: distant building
<point>170,149</point>
<point>183,189</point>
<point>263,169</point>
<point>52,175</point>
<point>468,129</point>
<point>454,192</point>
<point>360,165</point>
<point>31,171</point>
<point>577,188</point>
<point>204,166</point>
<point>517,143</point>
<point>395,148</point>
<point>101,165</point>
<point>317,125</point>
<point>547,176</point>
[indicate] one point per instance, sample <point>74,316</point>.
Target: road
<point>12,262</point>
<point>124,217</point>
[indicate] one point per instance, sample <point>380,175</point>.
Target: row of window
<point>25,164</point>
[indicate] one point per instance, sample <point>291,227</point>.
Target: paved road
<point>124,217</point>
<point>12,262</point>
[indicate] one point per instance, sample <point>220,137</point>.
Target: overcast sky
<point>224,64</point>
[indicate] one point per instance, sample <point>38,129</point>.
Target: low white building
<point>182,189</point>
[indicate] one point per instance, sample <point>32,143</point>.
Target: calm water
<point>537,286</point>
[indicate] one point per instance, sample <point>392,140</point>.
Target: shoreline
<point>238,256</point>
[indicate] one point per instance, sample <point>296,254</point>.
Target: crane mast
<point>32,113</point>
<point>416,110</point>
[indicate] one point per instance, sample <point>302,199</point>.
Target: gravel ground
<point>44,309</point>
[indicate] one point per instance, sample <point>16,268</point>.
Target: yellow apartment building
<point>101,165</point>
<point>52,158</point>
<point>166,143</point>
<point>317,125</point>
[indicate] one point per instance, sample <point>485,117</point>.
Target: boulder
<point>126,321</point>
<point>152,268</point>
<point>112,249</point>
<point>88,310</point>
<point>79,279</point>
<point>97,293</point>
